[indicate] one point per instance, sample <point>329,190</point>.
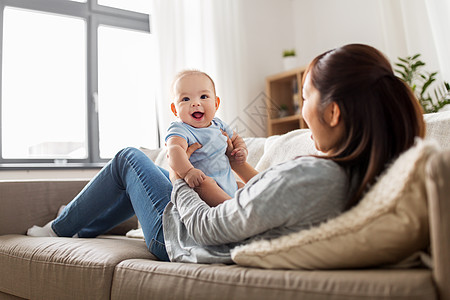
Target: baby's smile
<point>197,115</point>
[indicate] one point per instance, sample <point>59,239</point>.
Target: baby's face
<point>195,101</point>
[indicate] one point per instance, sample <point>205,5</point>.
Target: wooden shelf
<point>284,90</point>
<point>286,119</point>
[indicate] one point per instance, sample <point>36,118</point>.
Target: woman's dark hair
<point>380,113</point>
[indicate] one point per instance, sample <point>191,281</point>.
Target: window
<point>76,81</point>
<point>123,86</point>
<point>46,119</point>
<point>134,5</point>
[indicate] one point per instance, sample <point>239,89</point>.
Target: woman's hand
<point>194,177</point>
<point>239,162</point>
<point>239,155</point>
<point>236,149</point>
<point>191,149</point>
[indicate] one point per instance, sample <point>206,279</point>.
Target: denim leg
<point>120,210</point>
<point>130,183</point>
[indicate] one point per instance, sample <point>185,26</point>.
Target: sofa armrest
<point>438,190</point>
<point>32,202</point>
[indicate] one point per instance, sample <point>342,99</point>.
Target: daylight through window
<point>76,81</point>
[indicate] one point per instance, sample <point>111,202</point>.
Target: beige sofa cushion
<point>389,224</point>
<point>143,279</point>
<point>63,268</point>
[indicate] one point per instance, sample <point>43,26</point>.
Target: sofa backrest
<point>438,128</point>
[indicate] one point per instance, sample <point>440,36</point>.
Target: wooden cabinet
<point>284,94</point>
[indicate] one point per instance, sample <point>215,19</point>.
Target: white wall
<point>321,25</point>
<point>268,30</point>
<point>396,27</point>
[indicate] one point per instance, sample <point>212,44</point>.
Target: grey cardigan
<point>286,198</point>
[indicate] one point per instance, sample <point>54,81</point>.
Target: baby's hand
<point>240,155</point>
<point>194,177</point>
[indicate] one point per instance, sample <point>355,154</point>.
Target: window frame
<point>94,16</point>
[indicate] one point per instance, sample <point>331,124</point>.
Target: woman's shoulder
<point>303,184</point>
<point>313,163</point>
<point>305,171</point>
<point>314,178</point>
<point>310,171</point>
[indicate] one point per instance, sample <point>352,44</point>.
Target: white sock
<point>42,231</point>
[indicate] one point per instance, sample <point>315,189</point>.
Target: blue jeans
<point>129,184</point>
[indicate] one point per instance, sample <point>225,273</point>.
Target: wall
<point>321,25</point>
<point>267,30</point>
<point>396,27</point>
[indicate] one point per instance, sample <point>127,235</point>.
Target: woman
<point>361,117</point>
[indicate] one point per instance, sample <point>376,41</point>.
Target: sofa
<point>119,266</point>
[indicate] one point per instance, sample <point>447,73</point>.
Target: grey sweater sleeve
<point>286,198</point>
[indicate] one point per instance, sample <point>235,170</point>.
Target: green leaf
<point>404,67</point>
<point>427,84</point>
<point>417,64</point>
<point>409,69</point>
<point>401,73</point>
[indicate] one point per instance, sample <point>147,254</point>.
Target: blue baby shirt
<point>211,158</point>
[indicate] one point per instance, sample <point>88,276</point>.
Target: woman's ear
<point>174,110</point>
<point>217,103</point>
<point>334,114</point>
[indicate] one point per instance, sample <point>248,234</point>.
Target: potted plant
<point>289,59</point>
<point>411,72</point>
<point>283,111</point>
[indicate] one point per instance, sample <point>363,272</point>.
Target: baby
<point>195,104</point>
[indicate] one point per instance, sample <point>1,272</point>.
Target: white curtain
<point>200,34</point>
<point>439,12</point>
<point>418,26</point>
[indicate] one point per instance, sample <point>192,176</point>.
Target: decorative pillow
<point>389,224</point>
<point>294,143</point>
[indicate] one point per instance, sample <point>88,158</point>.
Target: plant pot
<point>282,113</point>
<point>289,62</point>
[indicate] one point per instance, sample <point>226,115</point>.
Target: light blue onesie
<point>211,158</point>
